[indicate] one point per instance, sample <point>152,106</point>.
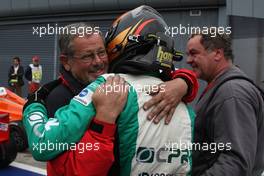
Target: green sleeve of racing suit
<point>48,137</point>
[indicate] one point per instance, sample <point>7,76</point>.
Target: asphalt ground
<point>24,165</point>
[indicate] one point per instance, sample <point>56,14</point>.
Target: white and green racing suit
<point>144,148</point>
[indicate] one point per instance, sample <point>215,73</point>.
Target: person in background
<point>33,74</point>
<point>15,77</point>
<point>229,112</point>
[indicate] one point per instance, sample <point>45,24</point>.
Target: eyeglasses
<point>90,56</point>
